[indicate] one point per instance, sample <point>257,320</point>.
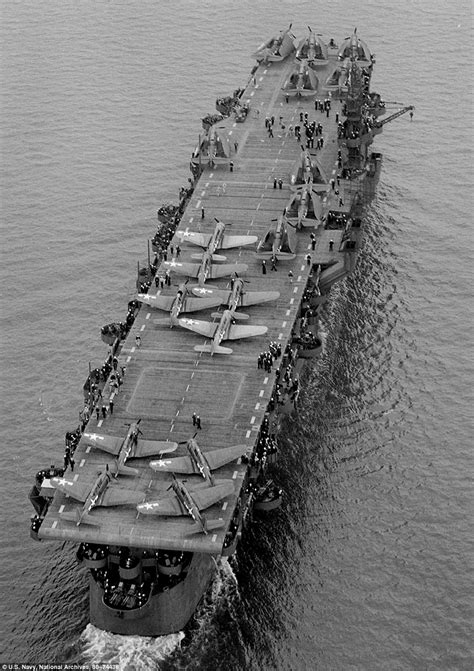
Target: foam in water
<point>129,652</point>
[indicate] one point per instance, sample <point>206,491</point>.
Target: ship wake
<point>127,652</point>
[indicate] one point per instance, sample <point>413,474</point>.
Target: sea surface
<point>369,563</point>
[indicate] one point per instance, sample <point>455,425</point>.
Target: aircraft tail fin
<point>213,349</point>
<point>79,518</point>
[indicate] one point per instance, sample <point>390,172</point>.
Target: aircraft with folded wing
<point>302,82</point>
<point>183,502</point>
<point>238,296</point>
<point>279,241</point>
<point>205,270</point>
<point>276,48</point>
<point>199,462</point>
<point>305,206</point>
<point>225,329</point>
<point>101,492</point>
<point>129,447</point>
<point>183,301</point>
<point>312,49</point>
<point>213,148</point>
<point>217,240</point>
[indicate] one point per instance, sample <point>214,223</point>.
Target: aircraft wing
<point>200,239</point>
<point>168,505</point>
<point>159,302</point>
<point>204,328</point>
<point>109,444</point>
<point>204,498</point>
<point>76,490</point>
<point>190,269</point>
<point>229,241</point>
<point>236,331</point>
<point>174,465</point>
<point>223,295</point>
<point>254,297</point>
<point>150,448</point>
<point>224,455</point>
<point>195,304</point>
<point>226,269</point>
<point>117,496</point>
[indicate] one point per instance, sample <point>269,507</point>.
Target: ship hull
<point>164,613</point>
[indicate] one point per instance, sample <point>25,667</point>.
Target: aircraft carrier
<point>279,180</point>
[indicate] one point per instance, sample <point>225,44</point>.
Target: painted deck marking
<point>252,421</point>
<point>292,300</point>
<point>83,461</point>
<point>61,508</point>
<point>142,327</point>
<point>234,475</point>
<point>187,388</point>
<point>247,435</point>
<point>288,313</point>
<point>283,325</point>
<point>299,277</point>
<point>127,360</point>
<point>261,392</point>
<point>99,423</point>
<point>211,175</point>
<point>224,505</point>
<point>54,524</point>
<point>203,193</point>
<point>265,380</point>
<point>198,204</point>
<point>88,449</point>
<point>191,220</point>
<point>257,406</point>
<point>295,290</point>
<point>148,315</point>
<point>280,336</point>
<point>214,538</point>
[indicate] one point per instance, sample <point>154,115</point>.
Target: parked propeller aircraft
<point>183,502</point>
<point>238,297</point>
<point>279,241</point>
<point>214,148</point>
<point>205,270</point>
<point>305,205</point>
<point>129,447</point>
<point>199,462</point>
<point>301,83</point>
<point>219,331</point>
<point>183,301</point>
<point>354,48</point>
<point>217,240</point>
<point>276,48</point>
<point>93,495</point>
<point>305,168</point>
<point>312,49</point>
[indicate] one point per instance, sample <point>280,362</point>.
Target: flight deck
<point>166,380</point>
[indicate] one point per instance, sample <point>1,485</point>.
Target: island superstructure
<point>153,505</point>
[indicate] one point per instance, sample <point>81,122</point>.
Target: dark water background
<point>369,563</point>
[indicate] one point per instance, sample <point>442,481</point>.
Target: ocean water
<point>369,563</point>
